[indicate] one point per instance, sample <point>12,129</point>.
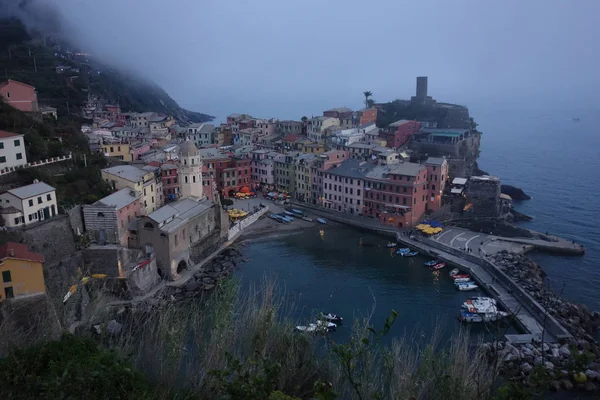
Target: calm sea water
<point>557,162</point>
<point>327,270</point>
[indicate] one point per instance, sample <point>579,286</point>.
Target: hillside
<point>31,59</point>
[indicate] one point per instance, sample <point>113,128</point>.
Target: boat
<point>286,218</point>
<point>403,250</point>
<point>317,327</point>
<point>288,213</point>
<point>297,212</point>
<point>466,286</point>
<point>460,276</point>
<point>439,266</point>
<point>330,326</point>
<point>410,254</point>
<point>484,307</point>
<point>274,216</point>
<point>455,271</point>
<point>432,263</point>
<point>331,318</point>
<point>390,245</point>
<point>307,328</point>
<point>307,219</point>
<point>462,279</point>
<point>321,221</point>
<point>466,316</point>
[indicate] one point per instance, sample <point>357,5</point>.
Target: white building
<point>12,150</point>
<point>28,204</point>
<point>190,171</point>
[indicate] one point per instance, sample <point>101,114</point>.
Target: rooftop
<point>234,115</point>
<point>445,132</point>
<point>435,160</point>
<point>119,199</point>
<point>178,213</point>
<point>351,169</point>
<point>5,134</point>
<point>406,169</point>
<point>340,109</point>
<point>210,153</point>
<point>399,123</point>
<point>19,251</point>
<point>459,181</point>
<point>127,172</point>
<point>35,189</point>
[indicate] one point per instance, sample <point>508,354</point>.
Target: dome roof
<point>187,149</point>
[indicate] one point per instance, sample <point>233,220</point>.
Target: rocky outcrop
<point>515,193</point>
<point>569,364</point>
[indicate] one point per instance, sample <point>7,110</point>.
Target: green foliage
<point>72,368</point>
<point>227,202</point>
<point>277,395</point>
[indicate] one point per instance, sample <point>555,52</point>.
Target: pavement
<point>478,244</point>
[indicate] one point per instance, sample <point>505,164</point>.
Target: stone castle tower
<point>190,171</point>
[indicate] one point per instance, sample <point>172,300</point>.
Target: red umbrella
<point>245,189</point>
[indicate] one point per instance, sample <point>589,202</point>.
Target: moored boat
<point>297,212</point>
<point>390,245</point>
<point>466,286</point>
<point>439,266</point>
<point>403,250</point>
<point>463,279</point>
<point>321,221</point>
<point>331,318</point>
<point>286,218</point>
<point>455,271</point>
<point>431,263</point>
<point>288,213</point>
<point>307,219</point>
<point>410,254</point>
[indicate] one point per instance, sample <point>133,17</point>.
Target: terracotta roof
<point>17,82</point>
<point>5,134</point>
<point>20,252</point>
<point>292,138</point>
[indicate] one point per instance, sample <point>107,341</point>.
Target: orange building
<point>19,95</point>
<point>22,273</point>
<point>368,116</point>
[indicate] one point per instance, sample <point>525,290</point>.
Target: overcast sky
<point>288,58</point>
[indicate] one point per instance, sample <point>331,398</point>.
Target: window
<point>148,225</point>
<point>100,214</point>
<point>17,142</point>
<point>8,293</point>
<point>176,241</point>
<point>6,278</point>
<point>48,197</point>
<point>40,201</point>
<point>1,145</point>
<point>2,159</point>
<point>404,200</point>
<point>432,187</point>
<point>19,156</point>
<point>30,203</point>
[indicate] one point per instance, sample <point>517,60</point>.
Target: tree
<point>304,119</point>
<point>368,99</point>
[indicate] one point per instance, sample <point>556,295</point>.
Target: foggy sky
<point>288,58</point>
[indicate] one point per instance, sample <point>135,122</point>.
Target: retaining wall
<point>249,220</point>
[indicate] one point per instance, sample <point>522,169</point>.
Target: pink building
<point>400,132</point>
<point>437,175</point>
<point>326,161</point>
<point>263,169</point>
<point>19,95</point>
<point>267,127</point>
<point>137,150</point>
<point>343,186</point>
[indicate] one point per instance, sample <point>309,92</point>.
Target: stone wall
<point>246,222</point>
<point>75,215</point>
<point>53,238</point>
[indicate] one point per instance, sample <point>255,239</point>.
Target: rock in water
<point>514,192</point>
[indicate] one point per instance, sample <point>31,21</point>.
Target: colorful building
<point>396,194</point>
<point>138,179</point>
<point>108,220</point>
<point>120,151</point>
<point>19,95</point>
<point>28,204</point>
<point>318,125</point>
<point>437,175</point>
<point>137,150</point>
<point>304,176</point>
<point>344,186</point>
<point>368,116</point>
<point>285,172</point>
<point>400,132</point>
<point>22,272</point>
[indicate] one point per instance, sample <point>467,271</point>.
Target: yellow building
<point>313,148</point>
<point>143,181</point>
<point>22,272</point>
<point>117,150</point>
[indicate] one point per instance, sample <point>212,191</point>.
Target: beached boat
<point>297,212</point>
<point>321,221</point>
<point>287,217</point>
<point>466,286</point>
<point>307,219</point>
<point>273,216</point>
<point>410,254</point>
<point>288,213</point>
<point>464,279</point>
<point>431,263</point>
<point>390,245</point>
<point>331,318</point>
<point>455,271</point>
<point>439,266</point>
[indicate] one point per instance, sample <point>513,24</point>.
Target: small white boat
<point>330,326</point>
<point>321,221</point>
<point>465,279</point>
<point>403,250</point>
<point>307,219</point>
<point>390,245</point>
<point>331,318</point>
<point>410,254</point>
<point>455,271</point>
<point>289,213</point>
<point>431,263</point>
<point>466,286</point>
<point>307,328</point>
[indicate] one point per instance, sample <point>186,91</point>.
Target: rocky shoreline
<point>567,365</point>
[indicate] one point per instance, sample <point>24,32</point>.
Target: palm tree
<point>367,95</point>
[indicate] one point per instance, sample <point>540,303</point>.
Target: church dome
<point>187,149</point>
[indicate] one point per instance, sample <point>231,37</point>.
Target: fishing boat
<point>331,318</point>
<point>466,286</point>
<point>403,250</point>
<point>307,219</point>
<point>390,245</point>
<point>432,263</point>
<point>297,212</point>
<point>463,279</point>
<point>321,221</point>
<point>410,254</point>
<point>455,271</point>
<point>466,316</point>
<point>460,276</point>
<point>439,266</point>
<point>484,307</point>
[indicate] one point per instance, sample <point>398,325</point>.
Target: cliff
<point>32,58</point>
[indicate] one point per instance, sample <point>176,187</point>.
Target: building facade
<point>21,271</point>
<point>29,204</point>
<point>437,175</point>
<point>19,95</point>
<point>120,151</point>
<point>145,182</point>
<point>344,186</point>
<point>12,150</point>
<point>190,171</point>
